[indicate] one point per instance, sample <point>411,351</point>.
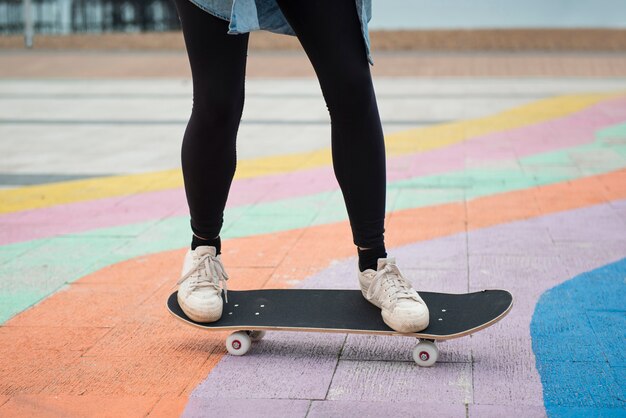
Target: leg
<point>330,32</point>
<point>208,155</point>
<point>218,63</point>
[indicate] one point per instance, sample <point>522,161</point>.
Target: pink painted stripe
<point>568,131</point>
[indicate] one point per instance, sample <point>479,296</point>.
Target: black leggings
<point>330,33</point>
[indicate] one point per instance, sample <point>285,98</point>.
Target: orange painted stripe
<point>108,337</point>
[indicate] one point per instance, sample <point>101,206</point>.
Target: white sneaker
<point>402,308</point>
<point>199,291</point>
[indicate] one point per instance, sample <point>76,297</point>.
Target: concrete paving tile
<point>252,190</point>
<point>78,405</point>
<point>24,283</point>
<point>559,164</point>
<point>576,257</point>
<point>567,201</point>
<point>250,224</point>
<point>596,158</point>
<point>290,275</point>
<point>445,281</point>
<point>619,208</point>
<point>565,378</point>
<point>12,252</point>
<point>334,209</point>
<point>504,369</point>
<point>340,274</point>
<point>413,198</point>
<point>387,348</point>
<point>482,212</point>
<point>382,408</point>
<point>77,249</point>
<point>615,184</point>
<point>448,253</point>
<point>129,375</point>
<point>123,234</point>
<point>619,374</point>
<point>75,217</point>
<point>497,411</point>
<point>172,338</point>
<point>512,240</point>
<point>399,228</point>
<point>489,271</point>
<point>615,232</point>
<point>239,252</point>
<point>269,408</point>
<point>314,242</point>
<point>168,406</point>
<point>546,174</point>
<point>28,374</point>
<point>166,234</point>
<point>146,270</point>
<point>501,156</point>
<point>399,381</point>
<point>585,411</point>
<point>78,338</point>
<point>574,348</point>
<point>598,340</point>
<point>96,305</point>
<point>589,190</point>
<point>607,220</point>
<point>285,208</point>
<point>246,278</point>
<point>256,140</point>
<point>306,360</point>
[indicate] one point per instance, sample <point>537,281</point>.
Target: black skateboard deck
<point>346,311</point>
<point>253,312</point>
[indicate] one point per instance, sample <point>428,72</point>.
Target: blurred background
<point>446,24</point>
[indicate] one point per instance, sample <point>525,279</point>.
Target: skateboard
<point>252,312</point>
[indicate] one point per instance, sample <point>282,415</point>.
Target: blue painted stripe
<point>578,336</point>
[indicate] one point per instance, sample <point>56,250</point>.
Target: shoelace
<point>214,273</point>
<point>391,274</point>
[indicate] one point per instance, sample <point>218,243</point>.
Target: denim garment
<point>249,15</point>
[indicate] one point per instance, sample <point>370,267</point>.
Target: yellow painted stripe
<point>411,141</point>
<point>426,139</point>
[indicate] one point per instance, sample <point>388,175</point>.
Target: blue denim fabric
<point>249,15</point>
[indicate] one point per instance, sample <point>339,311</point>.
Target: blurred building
<point>69,16</point>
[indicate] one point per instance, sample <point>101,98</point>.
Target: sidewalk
<point>510,173</point>
<point>278,64</point>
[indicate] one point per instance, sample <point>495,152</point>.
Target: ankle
<point>368,257</point>
<point>216,242</point>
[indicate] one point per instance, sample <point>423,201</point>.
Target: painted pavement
<point>530,199</point>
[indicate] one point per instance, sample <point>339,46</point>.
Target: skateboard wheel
<point>238,343</point>
<point>256,335</point>
<point>425,353</point>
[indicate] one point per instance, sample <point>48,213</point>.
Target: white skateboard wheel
<point>238,343</point>
<point>425,353</point>
<point>256,335</point>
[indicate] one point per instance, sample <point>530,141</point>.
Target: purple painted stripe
<point>269,408</point>
<point>572,130</point>
<point>305,365</point>
<point>383,409</point>
<point>494,369</point>
<point>499,411</point>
